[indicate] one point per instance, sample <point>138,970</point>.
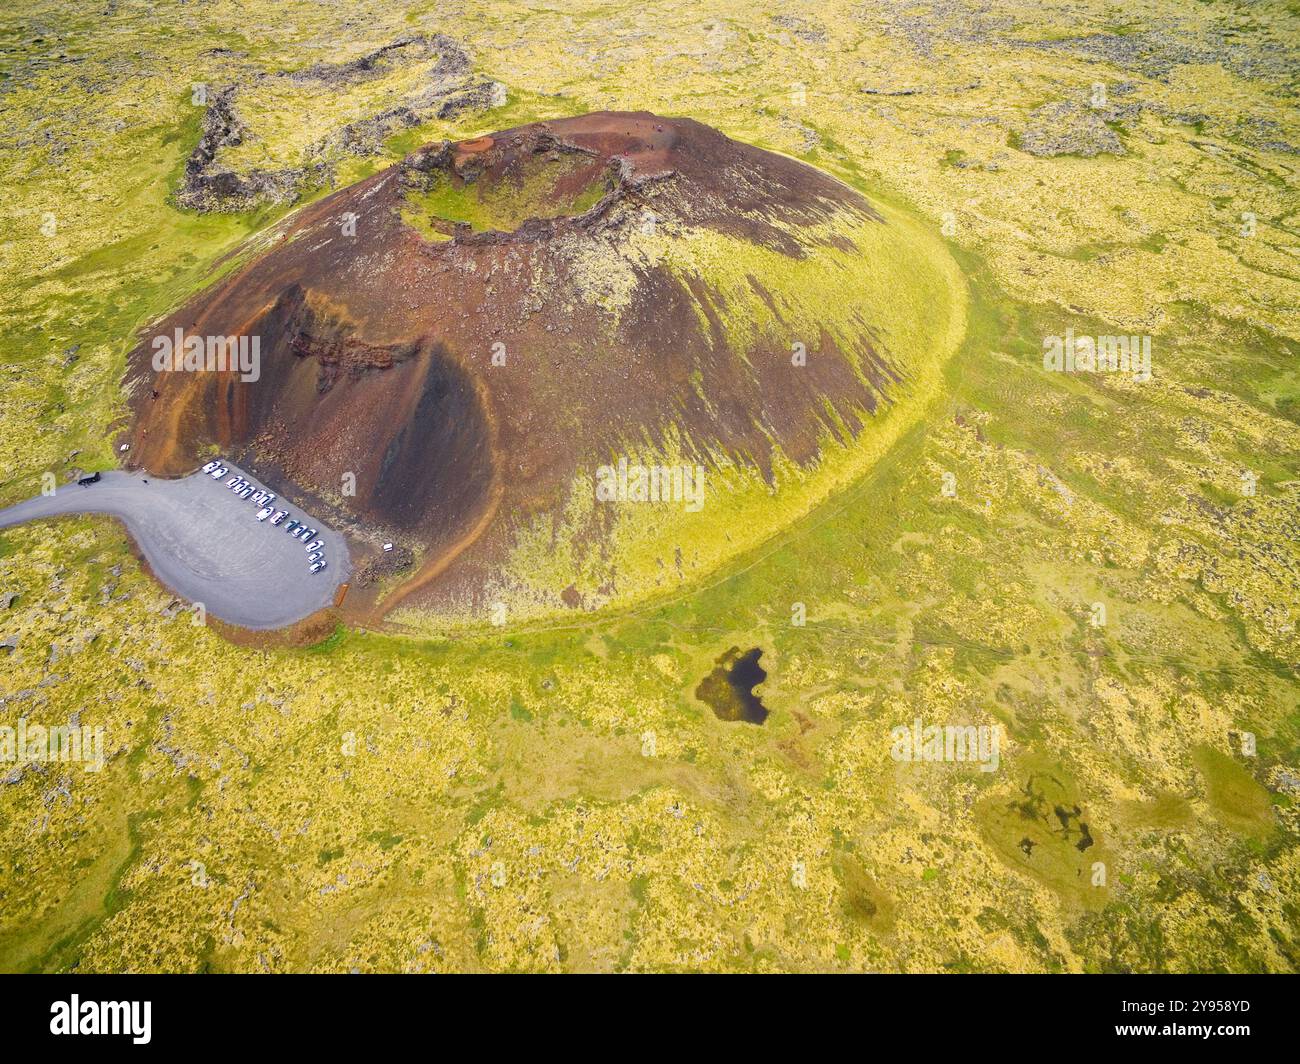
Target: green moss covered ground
<point>552,795</point>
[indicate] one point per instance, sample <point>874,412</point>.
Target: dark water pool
<point>729,689</point>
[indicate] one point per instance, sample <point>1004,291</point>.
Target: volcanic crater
<point>471,332</point>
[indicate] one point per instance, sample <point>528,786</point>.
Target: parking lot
<point>205,543</point>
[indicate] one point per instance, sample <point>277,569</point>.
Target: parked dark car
<point>85,482</point>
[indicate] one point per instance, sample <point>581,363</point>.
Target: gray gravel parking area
<point>205,543</point>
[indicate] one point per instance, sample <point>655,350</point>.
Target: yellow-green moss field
<point>551,795</point>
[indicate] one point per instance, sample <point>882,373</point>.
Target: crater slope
<point>471,334</point>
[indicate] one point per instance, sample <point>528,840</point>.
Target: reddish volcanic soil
<point>376,349</point>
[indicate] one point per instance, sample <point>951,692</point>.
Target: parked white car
<point>264,513</point>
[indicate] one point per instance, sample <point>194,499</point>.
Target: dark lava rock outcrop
<point>448,88</point>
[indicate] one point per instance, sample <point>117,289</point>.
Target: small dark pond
<point>729,689</point>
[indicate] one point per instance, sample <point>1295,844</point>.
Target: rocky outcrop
<point>449,89</point>
<point>1068,128</point>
